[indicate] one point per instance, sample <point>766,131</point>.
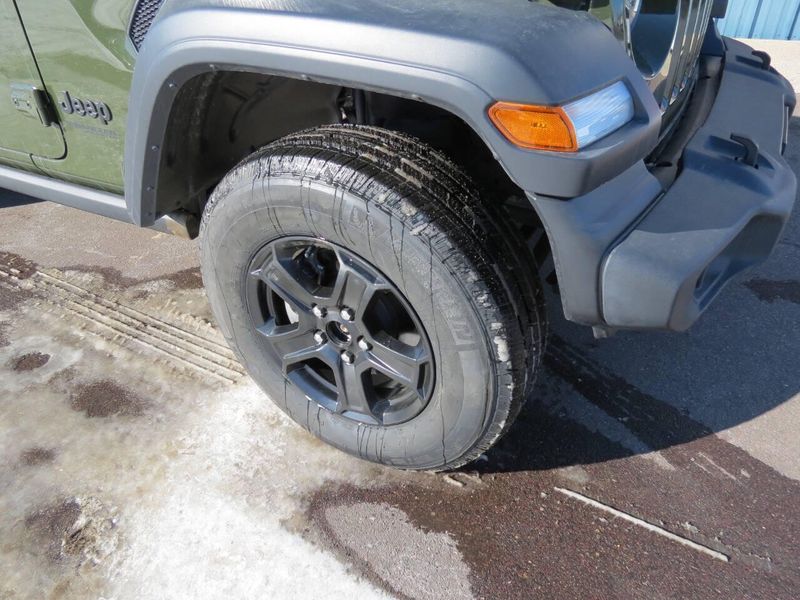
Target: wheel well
<point>221,117</point>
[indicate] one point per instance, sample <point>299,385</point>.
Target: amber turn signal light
<point>535,127</point>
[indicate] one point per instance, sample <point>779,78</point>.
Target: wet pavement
<point>137,461</point>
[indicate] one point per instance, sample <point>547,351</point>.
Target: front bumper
<point>632,255</point>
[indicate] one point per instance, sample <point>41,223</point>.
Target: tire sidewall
<point>257,210</point>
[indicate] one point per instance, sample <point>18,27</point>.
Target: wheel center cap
<point>340,334</point>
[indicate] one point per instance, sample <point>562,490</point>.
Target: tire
<point>315,218</point>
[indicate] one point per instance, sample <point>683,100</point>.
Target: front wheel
<point>372,296</point>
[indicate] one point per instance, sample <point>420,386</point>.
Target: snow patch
<point>407,208</point>
<point>502,348</point>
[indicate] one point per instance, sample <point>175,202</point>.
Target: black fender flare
<point>461,57</point>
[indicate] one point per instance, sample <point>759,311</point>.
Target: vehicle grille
<point>676,73</point>
<point>143,16</point>
<point>698,16</point>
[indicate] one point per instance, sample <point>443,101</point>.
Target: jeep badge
<point>93,109</point>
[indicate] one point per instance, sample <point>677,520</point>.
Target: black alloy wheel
<point>341,331</point>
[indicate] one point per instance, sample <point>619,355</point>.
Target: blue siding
<point>770,19</point>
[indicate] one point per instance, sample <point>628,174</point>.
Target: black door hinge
<point>34,102</point>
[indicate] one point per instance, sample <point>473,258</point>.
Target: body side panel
<point>22,132</point>
<point>83,48</point>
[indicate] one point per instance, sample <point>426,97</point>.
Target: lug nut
<point>347,357</point>
<point>347,314</point>
<point>319,311</point>
<point>320,337</point>
<point>364,344</point>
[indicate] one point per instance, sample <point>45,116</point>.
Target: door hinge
<point>34,102</point>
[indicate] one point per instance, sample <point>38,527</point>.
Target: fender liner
<point>460,56</point>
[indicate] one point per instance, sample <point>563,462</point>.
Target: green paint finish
<point>602,10</point>
<point>82,47</point>
<point>21,131</point>
<point>18,160</point>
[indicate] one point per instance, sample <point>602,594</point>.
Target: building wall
<point>768,19</point>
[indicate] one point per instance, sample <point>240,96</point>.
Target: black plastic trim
<point>461,61</point>
<point>631,256</point>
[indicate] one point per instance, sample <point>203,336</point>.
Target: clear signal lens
<point>600,114</point>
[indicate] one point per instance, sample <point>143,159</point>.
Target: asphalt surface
<point>137,461</point>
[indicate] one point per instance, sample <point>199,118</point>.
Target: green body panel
<point>22,133</point>
<point>82,47</point>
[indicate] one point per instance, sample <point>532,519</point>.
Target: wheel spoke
<point>353,395</point>
<point>349,288</point>
<point>276,276</point>
<point>354,288</point>
<point>292,343</point>
<point>398,361</point>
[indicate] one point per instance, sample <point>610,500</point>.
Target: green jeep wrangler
<point>382,190</point>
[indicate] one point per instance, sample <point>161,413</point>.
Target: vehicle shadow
<point>9,199</point>
<point>598,400</point>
